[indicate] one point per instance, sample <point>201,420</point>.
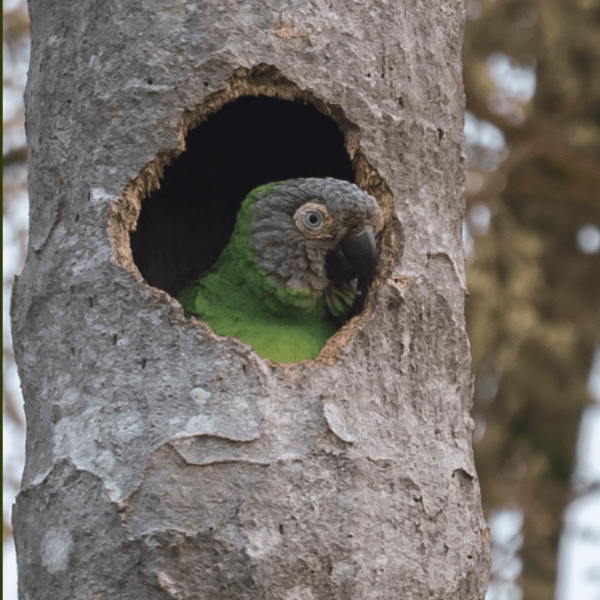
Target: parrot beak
<point>355,257</point>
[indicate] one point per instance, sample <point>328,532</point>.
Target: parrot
<point>298,265</point>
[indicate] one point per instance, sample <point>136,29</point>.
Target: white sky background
<point>579,558</point>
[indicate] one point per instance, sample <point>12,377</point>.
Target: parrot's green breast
<point>237,299</point>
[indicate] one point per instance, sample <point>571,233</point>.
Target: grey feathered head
<point>316,234</point>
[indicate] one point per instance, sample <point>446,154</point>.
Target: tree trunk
<point>164,461</point>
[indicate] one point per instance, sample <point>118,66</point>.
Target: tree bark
<point>164,461</point>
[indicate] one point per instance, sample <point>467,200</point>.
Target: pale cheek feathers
<point>284,252</point>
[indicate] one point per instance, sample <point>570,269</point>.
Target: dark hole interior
<point>184,225</point>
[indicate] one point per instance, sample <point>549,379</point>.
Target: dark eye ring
<point>313,219</point>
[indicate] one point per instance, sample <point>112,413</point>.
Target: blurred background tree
<point>532,79</point>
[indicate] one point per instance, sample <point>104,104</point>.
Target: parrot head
<point>315,238</point>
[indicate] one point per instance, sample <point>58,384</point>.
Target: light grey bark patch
<point>204,450</point>
<point>291,425</point>
<point>299,592</point>
<point>448,270</point>
<point>233,416</point>
<point>262,542</point>
<point>55,549</point>
<point>336,422</point>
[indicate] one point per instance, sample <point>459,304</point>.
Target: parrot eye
<point>313,219</point>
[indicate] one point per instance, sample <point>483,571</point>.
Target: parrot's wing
<point>187,298</point>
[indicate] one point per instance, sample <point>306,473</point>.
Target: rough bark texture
<point>166,462</point>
